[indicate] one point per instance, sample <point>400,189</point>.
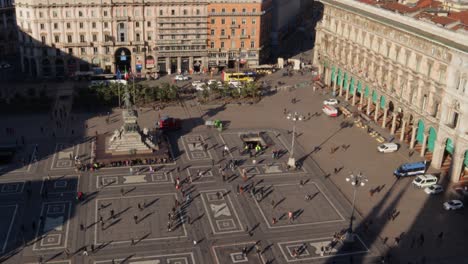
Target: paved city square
<point>201,208</point>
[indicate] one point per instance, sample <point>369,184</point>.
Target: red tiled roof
<point>443,20</point>
<point>428,3</point>
<point>461,16</point>
<point>400,8</point>
<point>369,2</point>
<point>460,26</point>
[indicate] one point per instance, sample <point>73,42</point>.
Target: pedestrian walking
<point>273,204</point>
<point>122,191</point>
<point>92,248</point>
<point>112,213</point>
<point>291,216</point>
<point>421,239</point>
<point>301,183</point>
<point>81,227</point>
<point>135,217</point>
<point>440,235</point>
<point>273,220</point>
<point>139,206</point>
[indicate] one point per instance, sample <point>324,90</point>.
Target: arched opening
<point>464,174</point>
<point>345,84</point>
<point>197,65</point>
<point>123,59</point>
<point>96,62</point>
<point>420,132</point>
<point>26,66</point>
<point>71,66</point>
<point>59,68</point>
<point>84,65</point>
<point>33,68</point>
<point>351,87</point>
<point>185,65</point>
<point>332,76</point>
<point>173,65</point>
<point>447,157</point>
<point>46,68</point>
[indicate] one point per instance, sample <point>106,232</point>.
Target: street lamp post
<point>294,117</point>
<point>357,181</point>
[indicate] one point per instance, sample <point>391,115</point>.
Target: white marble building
<point>410,76</point>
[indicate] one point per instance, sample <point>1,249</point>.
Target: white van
<point>387,147</point>
<point>423,181</point>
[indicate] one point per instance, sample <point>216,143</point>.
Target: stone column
<point>361,101</point>
<point>168,65</point>
<point>423,149</point>
<point>403,126</point>
<point>413,136</point>
<point>179,64</point>
<point>438,154</point>
<point>384,119</point>
<point>376,114</point>
<point>457,164</point>
<point>347,90</point>
<point>191,64</point>
<point>334,84</point>
<point>369,102</point>
<point>341,87</point>
<point>354,97</point>
<point>392,130</point>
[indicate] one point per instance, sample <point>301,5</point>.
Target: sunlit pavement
<point>40,225</point>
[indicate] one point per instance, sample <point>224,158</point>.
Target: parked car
<point>330,110</point>
<point>453,205</point>
<point>201,87</point>
<point>197,83</point>
<point>387,147</point>
<point>235,84</point>
<point>423,181</point>
<point>331,101</point>
<point>169,123</point>
<point>5,65</point>
<point>434,189</point>
<point>219,83</point>
<point>182,78</point>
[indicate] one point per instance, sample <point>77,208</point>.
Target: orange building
<point>238,33</point>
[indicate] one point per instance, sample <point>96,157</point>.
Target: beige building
<point>405,70</point>
<point>60,37</point>
<point>8,36</point>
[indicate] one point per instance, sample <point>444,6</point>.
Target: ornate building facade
<point>409,76</point>
<point>8,36</point>
<point>60,37</point>
<point>238,32</point>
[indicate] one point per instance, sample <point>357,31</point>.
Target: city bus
<point>411,169</point>
<point>238,76</point>
<point>264,69</point>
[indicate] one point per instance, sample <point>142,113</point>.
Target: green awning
<point>333,73</point>
<point>449,146</point>
<point>420,135</point>
<point>351,86</point>
<point>382,102</point>
<point>374,96</point>
<point>345,84</point>
<point>432,139</point>
<point>359,87</point>
<point>340,76</point>
<point>366,91</point>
